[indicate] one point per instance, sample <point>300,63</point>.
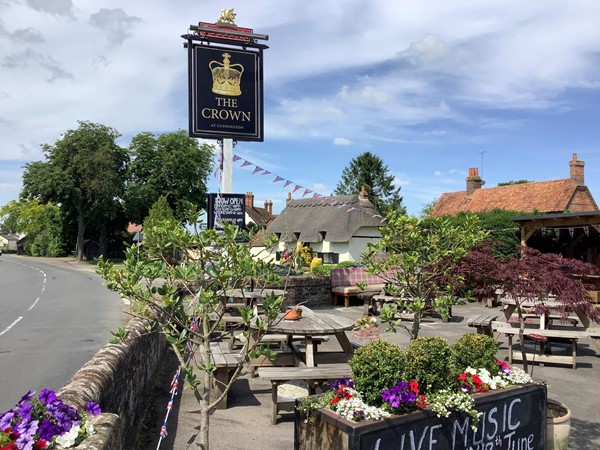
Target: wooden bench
<point>344,283</point>
<point>225,362</point>
<point>483,323</point>
<point>569,335</point>
<point>315,376</point>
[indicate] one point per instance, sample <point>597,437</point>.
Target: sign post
<point>225,84</point>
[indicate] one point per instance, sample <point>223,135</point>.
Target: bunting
<point>173,392</point>
<point>256,169</point>
<point>277,179</point>
<point>246,163</point>
<point>266,172</point>
<point>306,191</point>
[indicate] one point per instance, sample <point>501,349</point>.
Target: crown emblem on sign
<point>226,76</point>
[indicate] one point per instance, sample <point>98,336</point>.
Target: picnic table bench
<point>315,376</point>
<point>483,323</point>
<point>571,335</point>
<point>225,362</point>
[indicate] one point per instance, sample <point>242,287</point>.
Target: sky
<point>431,87</point>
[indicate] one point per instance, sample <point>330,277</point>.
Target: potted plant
<point>559,426</point>
<point>424,397</point>
<point>365,329</point>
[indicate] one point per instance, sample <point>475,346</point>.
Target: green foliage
<point>368,170</point>
<point>509,183</point>
<point>42,223</point>
<point>476,351</point>
<point>375,367</point>
<point>324,270</point>
<point>428,360</point>
<point>417,259</point>
<point>171,164</point>
<point>84,172</point>
<point>158,226</point>
<point>185,301</point>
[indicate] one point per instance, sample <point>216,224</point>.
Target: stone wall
<point>314,290</point>
<point>116,378</point>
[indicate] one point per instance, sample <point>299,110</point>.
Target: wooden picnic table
<point>313,324</point>
<point>510,306</point>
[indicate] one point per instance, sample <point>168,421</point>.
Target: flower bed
<point>45,422</point>
<point>427,396</point>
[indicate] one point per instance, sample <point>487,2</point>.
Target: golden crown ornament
<point>226,76</point>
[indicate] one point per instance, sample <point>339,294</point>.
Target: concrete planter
<point>559,428</point>
<point>513,418</point>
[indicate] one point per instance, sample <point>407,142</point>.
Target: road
<point>54,317</point>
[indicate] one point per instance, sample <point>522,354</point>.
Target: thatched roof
<point>334,219</point>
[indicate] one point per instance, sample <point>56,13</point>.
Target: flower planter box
<point>513,418</point>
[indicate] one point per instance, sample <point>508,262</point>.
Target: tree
<point>188,304</point>
<point>172,164</point>
<point>417,259</point>
<point>42,223</point>
<point>369,171</point>
<point>83,172</point>
<point>530,278</point>
<point>160,214</point>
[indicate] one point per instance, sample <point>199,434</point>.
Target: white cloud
<point>341,141</point>
<point>437,173</point>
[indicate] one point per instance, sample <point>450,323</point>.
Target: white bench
<point>315,376</point>
<point>571,335</point>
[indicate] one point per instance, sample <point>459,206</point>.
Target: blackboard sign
<point>512,419</point>
<point>226,208</point>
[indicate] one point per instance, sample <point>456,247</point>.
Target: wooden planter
<point>513,418</point>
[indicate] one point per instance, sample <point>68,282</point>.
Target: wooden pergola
<point>529,224</point>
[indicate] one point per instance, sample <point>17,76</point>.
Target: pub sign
<point>226,93</point>
<point>226,208</point>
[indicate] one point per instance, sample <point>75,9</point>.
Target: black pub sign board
<point>226,208</point>
<point>226,93</point>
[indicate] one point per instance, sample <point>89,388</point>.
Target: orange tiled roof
<point>541,196</point>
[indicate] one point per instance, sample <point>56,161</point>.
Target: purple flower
<point>92,408</point>
<point>26,398</point>
<point>26,431</point>
<point>47,396</point>
<point>6,419</point>
<point>48,430</point>
<point>344,381</point>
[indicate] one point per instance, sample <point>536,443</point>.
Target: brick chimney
<point>289,197</point>
<point>474,181</point>
<point>363,193</point>
<point>269,206</point>
<point>576,169</point>
<point>249,200</point>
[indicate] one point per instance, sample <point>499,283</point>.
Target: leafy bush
<point>346,264</point>
<point>376,367</point>
<point>475,350</point>
<point>324,270</point>
<point>316,262</point>
<point>428,360</point>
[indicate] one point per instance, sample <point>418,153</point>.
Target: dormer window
<point>322,234</point>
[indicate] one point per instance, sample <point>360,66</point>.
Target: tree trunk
<point>80,234</point>
<point>522,336</point>
<point>102,239</point>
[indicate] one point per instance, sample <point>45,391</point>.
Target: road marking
<point>11,325</point>
<point>34,303</point>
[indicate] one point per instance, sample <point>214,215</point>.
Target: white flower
<point>519,376</point>
<point>68,439</point>
<point>348,408</point>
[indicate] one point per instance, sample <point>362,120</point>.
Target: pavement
<point>246,423</point>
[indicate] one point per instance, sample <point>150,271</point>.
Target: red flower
<point>39,445</point>
<point>462,376</point>
<point>413,386</point>
<point>477,380</point>
<point>421,401</point>
<point>333,401</point>
<point>11,446</point>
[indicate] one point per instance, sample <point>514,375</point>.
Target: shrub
<point>323,270</point>
<point>316,262</point>
<point>428,360</point>
<point>376,367</point>
<point>475,350</point>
